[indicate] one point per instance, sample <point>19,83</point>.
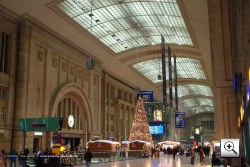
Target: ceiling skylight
<point>125,24</point>
<point>186,68</point>
<point>202,109</point>
<point>197,102</point>
<point>192,89</point>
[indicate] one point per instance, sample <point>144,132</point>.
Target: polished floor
<point>162,161</point>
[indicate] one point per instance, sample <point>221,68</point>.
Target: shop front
<point>73,140</point>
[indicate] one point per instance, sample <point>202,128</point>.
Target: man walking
<point>87,157</point>
<point>13,157</point>
<point>192,155</point>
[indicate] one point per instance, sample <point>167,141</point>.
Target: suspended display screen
<point>157,128</point>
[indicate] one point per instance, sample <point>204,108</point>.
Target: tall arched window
<point>70,106</point>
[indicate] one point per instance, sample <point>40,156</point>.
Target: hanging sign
<point>180,120</point>
<point>146,95</point>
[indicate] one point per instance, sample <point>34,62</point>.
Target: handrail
<point>98,156</point>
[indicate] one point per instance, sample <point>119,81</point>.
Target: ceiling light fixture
<point>89,60</point>
<point>159,75</point>
<point>137,89</point>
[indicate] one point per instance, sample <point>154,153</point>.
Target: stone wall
<point>119,108</point>
<point>7,82</point>
<point>50,70</point>
<point>46,65</point>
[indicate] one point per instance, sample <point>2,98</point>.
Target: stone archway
<point>75,91</point>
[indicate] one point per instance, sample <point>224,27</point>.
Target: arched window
<point>70,106</point>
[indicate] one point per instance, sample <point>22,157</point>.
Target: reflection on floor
<point>163,161</point>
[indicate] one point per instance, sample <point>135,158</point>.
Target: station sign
<point>180,120</point>
<point>146,95</point>
<point>38,124</point>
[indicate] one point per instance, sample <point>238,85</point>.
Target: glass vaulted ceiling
<point>186,68</point>
<point>195,96</point>
<point>201,109</point>
<point>125,24</point>
<point>192,102</point>
<point>193,90</point>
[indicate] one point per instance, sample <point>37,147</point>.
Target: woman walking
<point>202,156</point>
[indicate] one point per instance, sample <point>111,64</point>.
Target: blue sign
<point>146,95</point>
<point>180,120</point>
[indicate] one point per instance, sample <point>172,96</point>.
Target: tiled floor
<point>163,161</point>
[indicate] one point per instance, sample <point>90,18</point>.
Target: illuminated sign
<point>248,88</point>
<point>38,133</point>
<point>197,131</point>
<point>157,127</point>
<point>242,110</point>
<point>157,115</point>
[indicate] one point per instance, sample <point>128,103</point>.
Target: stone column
<point>225,111</point>
<point>117,118</point>
<point>21,92</point>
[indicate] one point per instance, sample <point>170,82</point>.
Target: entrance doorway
<point>35,144</point>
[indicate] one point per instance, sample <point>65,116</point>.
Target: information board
<point>146,95</point>
<point>39,124</point>
<point>180,120</point>
<point>157,128</point>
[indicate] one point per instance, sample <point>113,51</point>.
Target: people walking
<point>192,155</point>
<point>13,157</point>
<point>152,152</point>
<point>174,152</point>
<point>202,156</point>
<point>87,157</point>
<point>2,157</point>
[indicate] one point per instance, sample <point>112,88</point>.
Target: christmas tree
<point>140,128</point>
<point>66,159</point>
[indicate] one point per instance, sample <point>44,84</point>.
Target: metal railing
<point>108,156</point>
<point>98,156</point>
